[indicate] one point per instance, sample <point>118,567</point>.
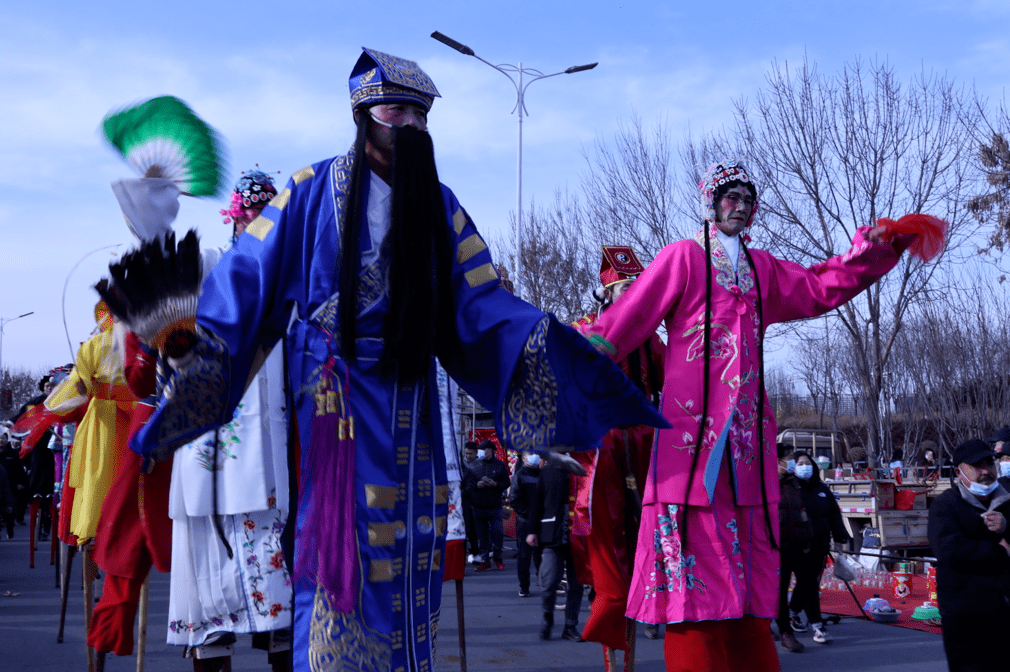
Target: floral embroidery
<point>736,536</point>
<point>671,568</point>
<point>725,277</point>
<point>264,538</point>
<point>215,621</point>
<point>227,437</point>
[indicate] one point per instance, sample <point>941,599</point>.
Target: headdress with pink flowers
<point>253,191</point>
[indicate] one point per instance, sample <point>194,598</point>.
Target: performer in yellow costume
<point>101,435</point>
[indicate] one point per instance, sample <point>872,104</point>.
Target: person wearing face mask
<point>1001,445</point>
<point>797,535</point>
<point>521,493</point>
<point>970,538</point>
<point>826,522</point>
<point>485,483</point>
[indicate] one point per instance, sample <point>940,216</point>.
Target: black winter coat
<point>825,515</point>
<point>795,529</point>
<point>486,498</point>
<point>972,568</point>
<point>549,512</point>
<point>523,490</point>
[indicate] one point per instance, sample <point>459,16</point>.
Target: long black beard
<point>421,314</point>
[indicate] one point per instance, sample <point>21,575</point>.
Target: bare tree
<point>559,267</point>
<point>993,206</point>
<point>958,358</point>
<point>21,385</point>
<point>630,191</point>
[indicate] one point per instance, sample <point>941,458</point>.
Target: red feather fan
<point>930,234</point>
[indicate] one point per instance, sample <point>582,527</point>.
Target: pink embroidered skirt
<point>727,570</point>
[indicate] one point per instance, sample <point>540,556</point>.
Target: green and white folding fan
<point>163,137</point>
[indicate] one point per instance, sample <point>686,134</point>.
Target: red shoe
<point>483,567</point>
<point>499,563</point>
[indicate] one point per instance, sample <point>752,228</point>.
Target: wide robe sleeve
<point>546,385</point>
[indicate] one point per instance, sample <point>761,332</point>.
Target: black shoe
<point>571,634</point>
<point>652,631</point>
<point>545,628</point>
<point>524,592</point>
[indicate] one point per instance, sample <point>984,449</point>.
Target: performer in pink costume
<point>707,559</point>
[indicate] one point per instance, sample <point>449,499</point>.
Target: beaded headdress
<point>254,190</point>
<point>717,175</point>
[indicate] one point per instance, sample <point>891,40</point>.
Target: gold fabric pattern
<point>440,525</point>
<point>259,227</point>
<point>380,496</point>
<point>381,534</point>
<point>481,275</point>
<point>281,199</point>
<point>339,642</point>
<point>380,571</point>
<point>441,494</point>
<point>528,412</point>
<point>470,248</point>
<point>459,220</point>
<point>303,174</point>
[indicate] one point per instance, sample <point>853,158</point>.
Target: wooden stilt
<point>33,519</point>
<point>631,637</point>
<point>53,539</point>
<point>145,591</point>
<point>462,625</point>
<point>89,570</point>
<point>609,659</point>
<point>66,561</point>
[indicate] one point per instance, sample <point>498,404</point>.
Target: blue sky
<point>272,78</point>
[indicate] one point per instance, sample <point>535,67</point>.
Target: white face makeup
<point>734,210</point>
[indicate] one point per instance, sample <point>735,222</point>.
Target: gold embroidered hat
<point>379,78</point>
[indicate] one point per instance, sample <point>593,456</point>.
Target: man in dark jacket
<point>969,535</point>
<point>796,535</point>
<point>521,494</point>
<point>549,530</point>
<point>485,483</point>
<point>16,475</point>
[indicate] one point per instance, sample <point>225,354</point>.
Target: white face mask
<point>978,489</point>
<point>534,459</point>
<point>804,471</point>
<point>484,454</point>
<point>790,466</point>
<point>1004,469</point>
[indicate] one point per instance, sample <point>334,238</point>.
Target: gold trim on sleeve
<point>281,199</point>
<point>458,220</point>
<point>481,275</point>
<point>260,227</point>
<point>470,248</point>
<point>303,174</point>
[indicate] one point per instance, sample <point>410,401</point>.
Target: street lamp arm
<point>449,42</point>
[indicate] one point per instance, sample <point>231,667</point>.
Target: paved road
<point>501,631</point>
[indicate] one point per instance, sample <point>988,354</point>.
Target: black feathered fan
<point>154,290</point>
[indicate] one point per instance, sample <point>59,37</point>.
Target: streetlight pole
<point>3,322</point>
<point>518,70</point>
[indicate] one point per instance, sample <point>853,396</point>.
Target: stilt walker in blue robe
<point>365,268</point>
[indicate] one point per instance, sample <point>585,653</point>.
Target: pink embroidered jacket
<point>672,291</point>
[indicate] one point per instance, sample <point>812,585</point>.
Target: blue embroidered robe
<point>280,281</point>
